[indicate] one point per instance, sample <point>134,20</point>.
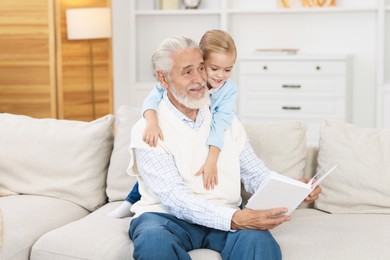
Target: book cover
<point>281,191</point>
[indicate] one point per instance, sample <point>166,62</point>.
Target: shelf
<point>177,12</point>
<point>301,10</point>
<point>258,11</point>
<point>299,56</point>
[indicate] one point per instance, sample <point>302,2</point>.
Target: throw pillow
<point>119,183</point>
<point>58,158</point>
<point>281,145</point>
<point>360,183</point>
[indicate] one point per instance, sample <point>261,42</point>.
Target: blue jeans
<point>163,236</point>
<point>134,194</point>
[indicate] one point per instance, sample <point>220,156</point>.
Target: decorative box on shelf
<point>308,88</point>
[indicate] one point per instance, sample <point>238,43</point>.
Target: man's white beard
<point>191,103</point>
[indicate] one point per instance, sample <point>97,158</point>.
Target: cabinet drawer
<point>292,67</point>
<point>294,85</point>
<point>297,108</point>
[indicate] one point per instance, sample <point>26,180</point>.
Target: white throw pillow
<point>281,145</point>
<point>360,183</point>
<point>58,158</point>
<point>119,183</point>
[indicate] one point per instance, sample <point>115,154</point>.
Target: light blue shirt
<point>223,102</point>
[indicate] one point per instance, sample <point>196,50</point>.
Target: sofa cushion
<point>312,234</point>
<point>27,217</point>
<point>58,158</point>
<point>95,237</point>
<point>360,183</point>
<point>281,145</point>
<point>119,183</point>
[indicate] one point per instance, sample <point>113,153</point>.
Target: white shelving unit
<point>358,28</point>
<point>384,77</point>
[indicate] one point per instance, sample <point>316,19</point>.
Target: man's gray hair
<point>162,58</point>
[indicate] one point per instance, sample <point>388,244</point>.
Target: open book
<point>281,191</point>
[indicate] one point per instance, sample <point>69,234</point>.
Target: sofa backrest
<point>360,183</point>
<point>119,183</point>
<point>311,161</point>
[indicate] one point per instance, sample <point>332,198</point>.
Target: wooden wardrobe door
<point>27,58</point>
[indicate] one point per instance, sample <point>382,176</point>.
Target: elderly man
<point>176,213</point>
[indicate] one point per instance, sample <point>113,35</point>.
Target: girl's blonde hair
<point>217,41</point>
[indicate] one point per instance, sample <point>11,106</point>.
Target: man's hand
<point>259,219</point>
<point>314,194</point>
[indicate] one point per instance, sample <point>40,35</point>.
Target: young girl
<point>219,53</point>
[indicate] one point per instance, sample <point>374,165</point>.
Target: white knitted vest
<point>189,150</point>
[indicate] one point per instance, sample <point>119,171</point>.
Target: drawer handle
<point>291,86</point>
<point>291,108</point>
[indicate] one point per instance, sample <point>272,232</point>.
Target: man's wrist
<point>235,225</point>
<point>224,218</point>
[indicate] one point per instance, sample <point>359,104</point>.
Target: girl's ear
<point>163,79</point>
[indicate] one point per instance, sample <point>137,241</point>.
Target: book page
<point>279,191</point>
<point>282,191</point>
<point>321,174</point>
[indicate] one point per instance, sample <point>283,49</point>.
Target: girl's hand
<point>209,169</point>
<point>210,174</point>
<point>152,130</point>
<point>152,134</point>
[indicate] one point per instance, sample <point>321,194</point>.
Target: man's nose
<point>200,76</point>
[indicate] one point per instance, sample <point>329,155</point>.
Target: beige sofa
<point>58,179</point>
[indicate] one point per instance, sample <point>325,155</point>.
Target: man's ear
<point>162,78</point>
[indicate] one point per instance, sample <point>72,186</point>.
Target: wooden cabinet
<point>295,87</point>
<point>42,73</point>
<point>27,58</point>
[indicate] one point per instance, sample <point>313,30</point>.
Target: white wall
<point>121,52</point>
<point>331,33</point>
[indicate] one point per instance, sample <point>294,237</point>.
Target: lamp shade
<point>88,23</point>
